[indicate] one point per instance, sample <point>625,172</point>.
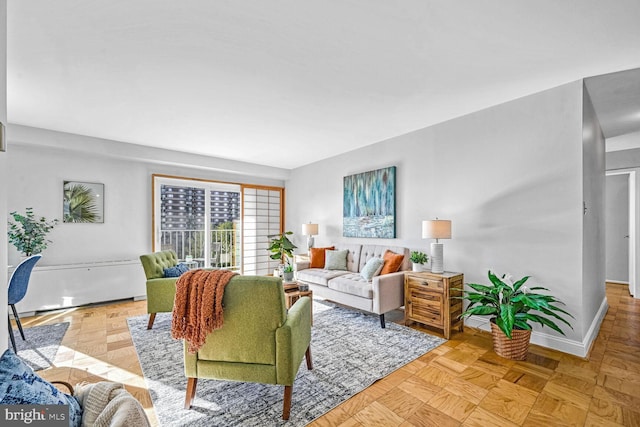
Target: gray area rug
<point>41,344</point>
<point>349,351</point>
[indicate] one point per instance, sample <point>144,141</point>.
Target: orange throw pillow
<point>392,262</point>
<point>316,257</point>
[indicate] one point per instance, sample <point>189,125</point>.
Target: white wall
<point>3,178</point>
<point>509,177</point>
<point>628,141</point>
<point>622,159</point>
<point>41,160</point>
<point>594,303</point>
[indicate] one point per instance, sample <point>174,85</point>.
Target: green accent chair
<point>161,291</point>
<point>259,341</point>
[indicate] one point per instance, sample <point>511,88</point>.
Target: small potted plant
<point>419,259</point>
<point>281,249</point>
<point>288,273</point>
<point>28,233</point>
<point>512,307</point>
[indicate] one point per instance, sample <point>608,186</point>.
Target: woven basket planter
<point>515,348</point>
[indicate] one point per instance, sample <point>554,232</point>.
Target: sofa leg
<point>191,392</point>
<point>382,324</point>
<point>286,405</point>
<point>152,317</point>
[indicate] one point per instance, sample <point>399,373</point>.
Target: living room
<point>521,178</point>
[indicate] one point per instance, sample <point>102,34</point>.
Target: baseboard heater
<point>70,285</point>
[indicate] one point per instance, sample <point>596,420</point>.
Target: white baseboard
<point>592,332</point>
<point>619,282</point>
<point>577,348</point>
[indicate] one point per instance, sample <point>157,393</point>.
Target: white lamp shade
<point>309,229</point>
<point>436,229</point>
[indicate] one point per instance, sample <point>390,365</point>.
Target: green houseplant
<point>281,248</point>
<point>28,233</point>
<point>514,307</point>
<point>418,259</point>
<point>288,273</point>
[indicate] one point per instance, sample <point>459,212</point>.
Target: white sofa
<point>382,294</point>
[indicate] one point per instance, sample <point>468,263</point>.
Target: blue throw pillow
<point>176,271</point>
<point>19,385</point>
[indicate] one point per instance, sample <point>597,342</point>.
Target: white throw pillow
<point>372,268</point>
<point>336,260</point>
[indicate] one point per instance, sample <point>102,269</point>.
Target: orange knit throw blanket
<point>197,309</point>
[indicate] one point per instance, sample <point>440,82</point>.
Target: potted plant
<point>281,248</point>
<point>513,306</point>
<point>419,259</point>
<point>288,273</point>
<point>28,233</point>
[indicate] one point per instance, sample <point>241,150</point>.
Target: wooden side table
<point>292,296</point>
<point>431,299</point>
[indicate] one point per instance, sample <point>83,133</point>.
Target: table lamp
<point>309,230</point>
<point>437,229</point>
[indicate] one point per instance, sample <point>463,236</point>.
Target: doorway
<point>621,224</point>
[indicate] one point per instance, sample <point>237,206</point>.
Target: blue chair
<point>17,290</point>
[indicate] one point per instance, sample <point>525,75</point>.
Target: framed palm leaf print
<point>83,202</point>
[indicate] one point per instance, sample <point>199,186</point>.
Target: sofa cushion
<point>373,267</point>
<point>318,276</point>
<point>317,258</point>
<point>392,262</point>
<point>352,283</point>
<point>336,260</point>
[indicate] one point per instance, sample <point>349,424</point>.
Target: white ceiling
<point>616,99</point>
<point>288,82</point>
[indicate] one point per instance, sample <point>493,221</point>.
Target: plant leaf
<point>507,314</point>
<point>496,281</point>
<point>479,311</point>
<point>503,328</point>
<point>520,282</point>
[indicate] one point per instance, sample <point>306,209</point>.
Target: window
<point>217,224</point>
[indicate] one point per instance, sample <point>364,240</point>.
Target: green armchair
<point>259,341</point>
<point>161,291</point>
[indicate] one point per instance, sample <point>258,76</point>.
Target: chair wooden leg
<point>152,317</point>
<point>307,355</point>
<point>191,392</point>
<point>13,340</point>
<point>382,324</point>
<point>15,316</point>
<point>286,404</point>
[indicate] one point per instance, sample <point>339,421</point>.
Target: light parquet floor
<point>461,383</point>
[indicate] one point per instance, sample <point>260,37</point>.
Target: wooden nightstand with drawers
<point>429,299</point>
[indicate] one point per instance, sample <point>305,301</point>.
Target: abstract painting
<point>369,204</point>
<point>83,202</point>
